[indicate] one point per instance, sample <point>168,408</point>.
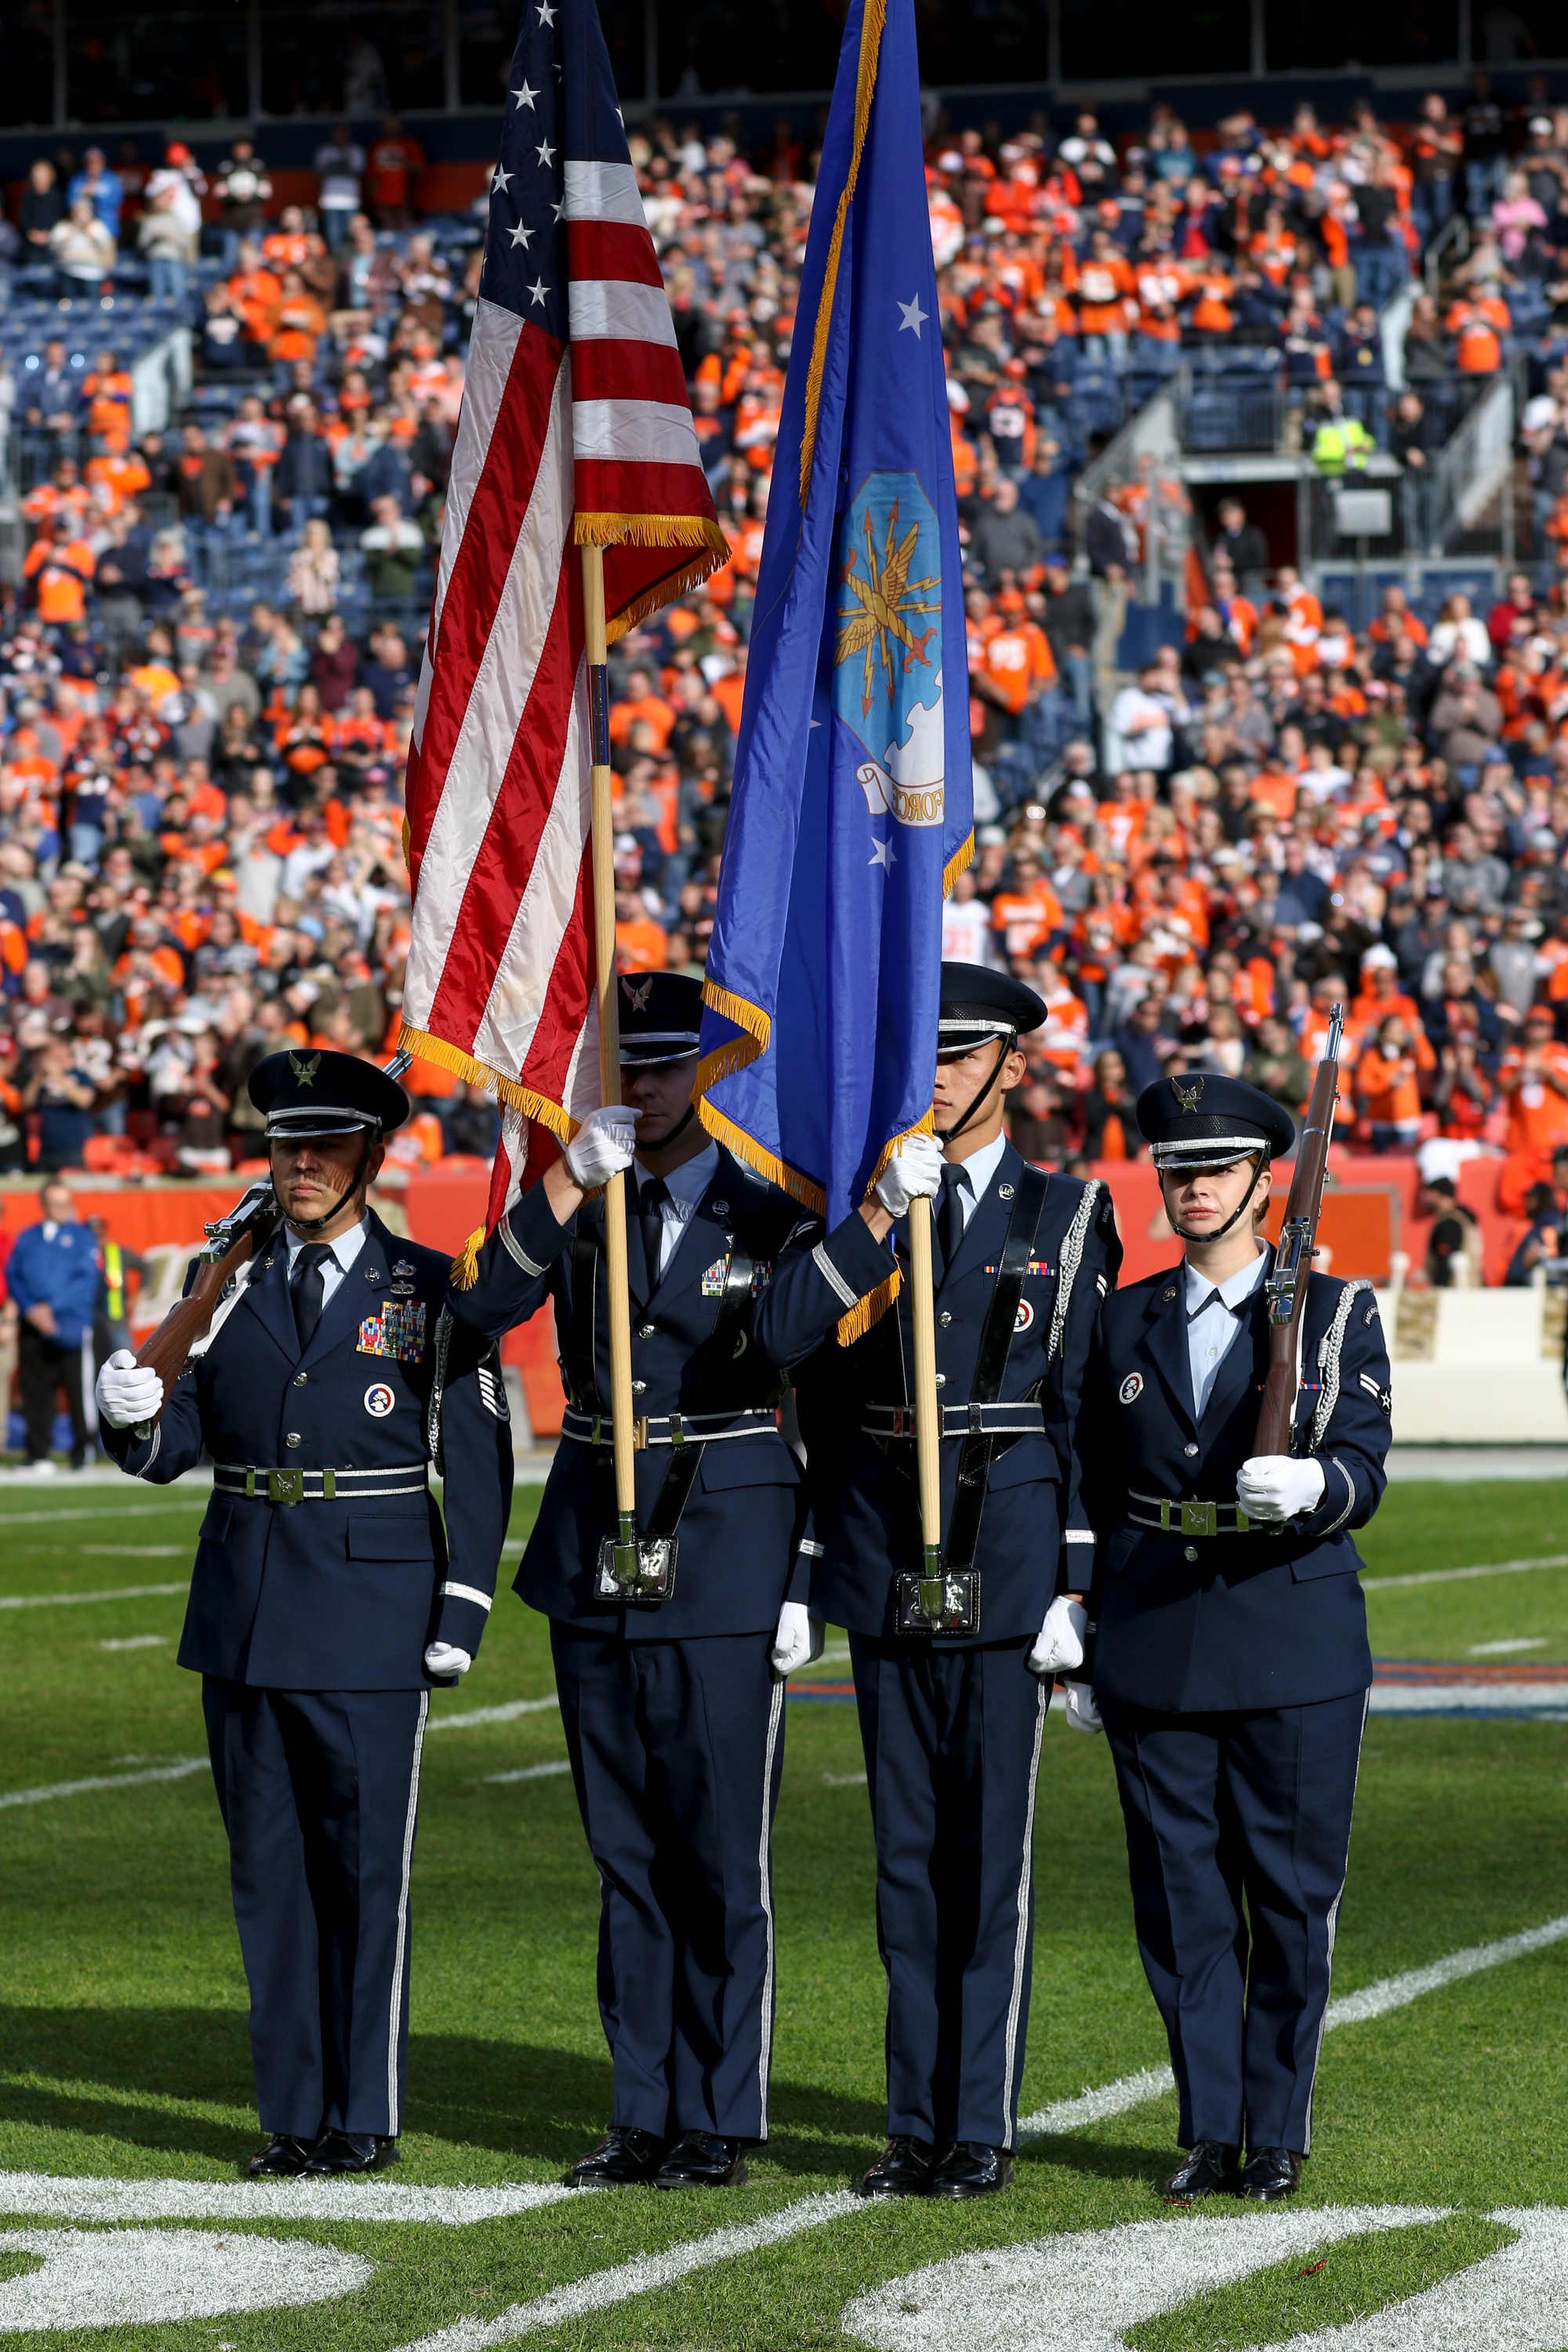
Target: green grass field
<point>123,2050</point>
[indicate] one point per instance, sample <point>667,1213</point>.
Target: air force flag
<point>851,809</point>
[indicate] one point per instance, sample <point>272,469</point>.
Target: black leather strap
<point>715,1373</point>
<point>979,1450</point>
<point>581,1359</point>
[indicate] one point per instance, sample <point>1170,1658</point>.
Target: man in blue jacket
<point>672,1693</point>
<point>953,1686</point>
<point>327,1595</point>
<point>54,1276</point>
<point>1231,1668</point>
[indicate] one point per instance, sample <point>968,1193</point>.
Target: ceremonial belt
<point>317,1486</point>
<point>1025,1419</point>
<point>680,1429</point>
<point>1188,1518</point>
<point>981,1446</point>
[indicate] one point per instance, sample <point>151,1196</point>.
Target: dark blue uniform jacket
<point>737,1535</point>
<point>1187,1622</point>
<point>346,1594</point>
<point>1034,1534</point>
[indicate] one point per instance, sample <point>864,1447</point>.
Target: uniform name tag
<point>398,1330</point>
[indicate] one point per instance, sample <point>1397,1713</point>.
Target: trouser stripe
<point>394,2021</point>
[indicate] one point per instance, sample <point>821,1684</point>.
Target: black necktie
<point>950,1214</point>
<point>308,1290</point>
<point>655,1193</point>
<point>1214,1298</point>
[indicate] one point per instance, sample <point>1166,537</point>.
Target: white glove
<point>446,1658</point>
<point>1082,1713</point>
<point>799,1639</point>
<point>913,1173</point>
<point>1272,1488</point>
<point>602,1146</point>
<point>127,1392</point>
<point>1059,1641</point>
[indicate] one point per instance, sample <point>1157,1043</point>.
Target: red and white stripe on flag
<point>576,426</point>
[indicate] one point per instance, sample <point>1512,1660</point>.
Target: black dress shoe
<point>340,2151</point>
<point>1271,2173</point>
<point>623,2159</point>
<point>1209,2165</point>
<point>702,2161</point>
<point>282,2158</point>
<point>971,2169</point>
<point>903,2169</point>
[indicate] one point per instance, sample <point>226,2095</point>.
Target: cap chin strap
<point>309,1225</point>
<point>1005,1045</point>
<point>1264,1162</point>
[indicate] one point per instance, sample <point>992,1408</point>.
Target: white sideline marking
<point>528,1773</point>
<point>1549,1701</point>
<point>131,1551</point>
<point>1456,1575</point>
<point>1505,1649</point>
<point>601,2289</point>
<point>180,1772</point>
<point>75,1599</point>
<point>69,2199</point>
<point>104,1510</point>
<point>138,1641</point>
<point>506,1714</point>
<point>1350,2008</point>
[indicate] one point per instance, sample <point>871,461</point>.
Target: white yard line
<point>1460,1575</point>
<point>268,2201</point>
<point>528,1773</point>
<point>1350,2009</point>
<point>1546,1702</point>
<point>508,1713</point>
<point>641,2276</point>
<point>75,1600</point>
<point>180,1772</point>
<point>105,1510</point>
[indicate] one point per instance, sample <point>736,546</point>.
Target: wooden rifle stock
<point>230,1241</point>
<point>1286,1288</point>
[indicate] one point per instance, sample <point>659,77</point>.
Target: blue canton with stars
<point>560,101</point>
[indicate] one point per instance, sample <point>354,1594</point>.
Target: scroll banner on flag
<point>852,806</point>
<point>576,426</point>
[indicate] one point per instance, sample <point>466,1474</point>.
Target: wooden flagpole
<point>610,1055</point>
<point>928,1413</point>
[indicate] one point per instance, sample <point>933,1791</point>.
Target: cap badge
<point>305,1072</point>
<point>1188,1097</point>
<point>638,992</point>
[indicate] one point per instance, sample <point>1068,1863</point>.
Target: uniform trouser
<point>676,1748</point>
<point>953,1749</point>
<point>48,1365</point>
<point>319,1791</point>
<point>1222,1809</point>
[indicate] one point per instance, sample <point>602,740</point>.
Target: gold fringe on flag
<point>465,1264</point>
<point>711,552</point>
<point>871,25</point>
<point>960,858</point>
<point>426,1048</point>
<point>767,1163</point>
<point>870,1309</point>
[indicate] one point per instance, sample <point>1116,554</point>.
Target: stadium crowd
<point>208,665</point>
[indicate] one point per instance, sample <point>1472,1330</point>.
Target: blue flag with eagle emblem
<point>851,809</point>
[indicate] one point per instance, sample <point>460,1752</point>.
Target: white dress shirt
<point>1212,1321</point>
<point>685,1186</point>
<point>979,1173</point>
<point>345,1249</point>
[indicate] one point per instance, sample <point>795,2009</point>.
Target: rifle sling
<point>978,1452</point>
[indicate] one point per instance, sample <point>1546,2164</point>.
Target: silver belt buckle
<point>1200,1519</point>
<point>285,1485</point>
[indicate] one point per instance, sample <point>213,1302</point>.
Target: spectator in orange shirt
<point>1105,288</point>
<point>1533,1076</point>
<point>642,707</point>
<point>1381,995</point>
<point>1388,1084</point>
<point>641,944</point>
<point>1027,917</point>
<point>394,161</point>
<point>60,573</point>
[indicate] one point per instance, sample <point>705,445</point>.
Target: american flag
<point>575,426</point>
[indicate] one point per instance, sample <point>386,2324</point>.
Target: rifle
<point>1285,1287</point>
<point>230,1241</point>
